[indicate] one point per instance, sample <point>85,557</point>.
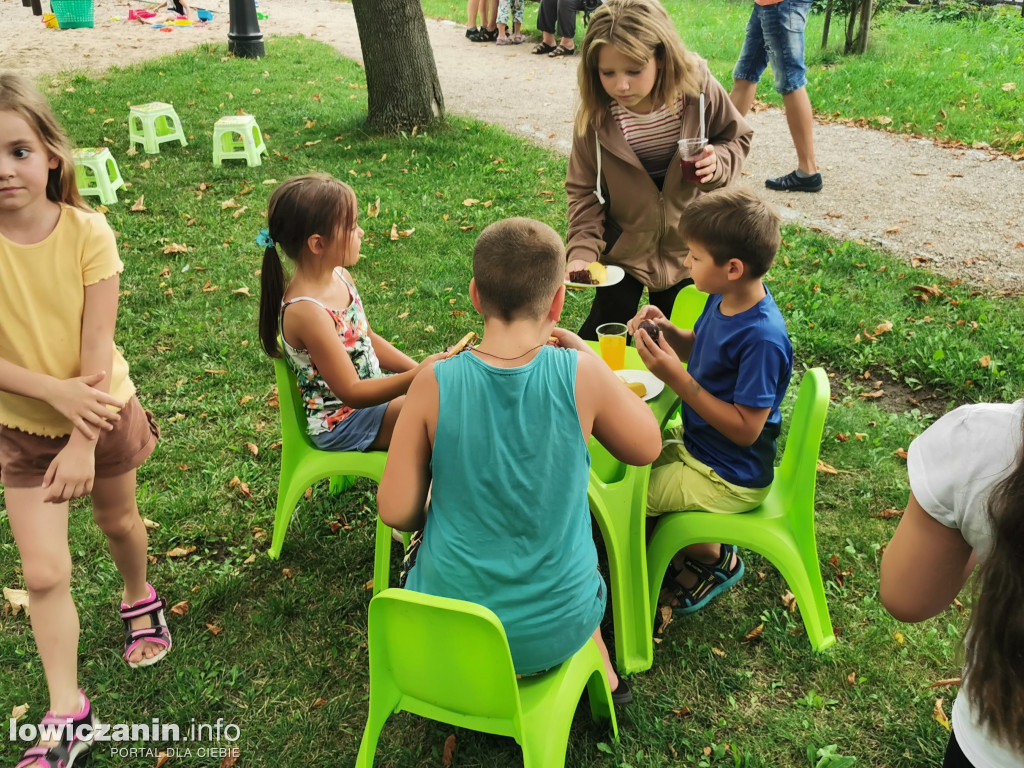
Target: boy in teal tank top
<point>498,437</point>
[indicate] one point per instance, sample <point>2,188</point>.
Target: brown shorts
<point>24,458</point>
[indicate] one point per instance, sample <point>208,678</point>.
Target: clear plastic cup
<point>691,150</point>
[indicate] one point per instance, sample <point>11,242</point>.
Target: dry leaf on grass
<point>228,204</point>
<point>789,601</point>
<point>180,551</point>
<point>18,711</point>
<point>253,449</point>
<point>449,751</point>
<point>683,711</point>
<point>872,395</point>
<point>985,361</point>
<point>826,468</point>
<point>394,231</point>
<point>150,524</point>
<point>243,487</point>
<point>901,452</point>
<point>138,204</point>
<point>175,248</point>
<point>373,209</point>
<point>946,683</point>
<point>886,514</point>
<point>244,291</point>
<point>754,634</point>
<point>320,702</point>
<point>851,679</point>
<point>665,615</point>
<point>162,759</point>
<point>940,715</point>
<point>718,651</point>
<point>180,609</point>
<point>214,630</point>
<point>231,758</point>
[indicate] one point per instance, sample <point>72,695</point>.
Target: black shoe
<point>470,31</point>
<point>484,35</point>
<point>792,182</point>
<point>622,694</point>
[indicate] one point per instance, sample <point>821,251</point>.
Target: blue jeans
<point>775,33</point>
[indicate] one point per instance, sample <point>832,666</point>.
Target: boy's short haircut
<point>518,265</point>
<point>734,223</point>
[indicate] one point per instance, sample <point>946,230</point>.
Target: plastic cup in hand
<point>612,339</point>
<point>691,150</point>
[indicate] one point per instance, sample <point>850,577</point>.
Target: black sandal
<point>543,48</point>
<point>712,580</point>
<point>561,50</point>
<point>484,35</point>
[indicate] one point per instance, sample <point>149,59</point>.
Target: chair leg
<point>287,498</point>
<point>600,697</point>
<point>809,591</point>
<point>371,735</point>
<point>381,557</point>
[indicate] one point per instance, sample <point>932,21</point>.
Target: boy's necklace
<point>507,359</point>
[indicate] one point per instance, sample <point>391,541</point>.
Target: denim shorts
<point>775,33</point>
<point>355,433</point>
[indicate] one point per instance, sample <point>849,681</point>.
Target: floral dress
<point>324,410</point>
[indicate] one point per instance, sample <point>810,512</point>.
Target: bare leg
<point>492,13</point>
<point>41,532</point>
<point>705,553</point>
<point>116,513</point>
<point>801,127</point>
<point>566,42</point>
<point>613,679</point>
<point>471,10</point>
<point>387,426</point>
<point>742,95</point>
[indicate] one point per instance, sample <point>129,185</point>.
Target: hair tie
<point>264,239</point>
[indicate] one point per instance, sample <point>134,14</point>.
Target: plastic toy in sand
<point>204,15</point>
<point>139,14</point>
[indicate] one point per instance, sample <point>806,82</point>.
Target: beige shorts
<point>24,458</point>
<point>681,483</point>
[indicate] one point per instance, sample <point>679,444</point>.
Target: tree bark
<point>828,23</point>
<point>851,24</point>
<point>403,88</point>
<point>866,12</point>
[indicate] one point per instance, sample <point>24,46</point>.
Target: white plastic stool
<point>238,137</point>
<point>97,174</point>
<point>152,124</point>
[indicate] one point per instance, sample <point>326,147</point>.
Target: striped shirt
<point>653,136</point>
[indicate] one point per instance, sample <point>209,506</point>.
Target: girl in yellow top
<point>70,424</point>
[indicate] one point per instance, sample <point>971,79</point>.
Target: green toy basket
<point>73,14</point>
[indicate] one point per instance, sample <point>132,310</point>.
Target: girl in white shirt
<point>966,506</point>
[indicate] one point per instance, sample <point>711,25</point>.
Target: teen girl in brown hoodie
<point>640,91</point>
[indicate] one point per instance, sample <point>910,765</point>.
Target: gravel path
<point>958,211</point>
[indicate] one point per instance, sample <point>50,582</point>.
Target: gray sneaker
<point>792,182</point>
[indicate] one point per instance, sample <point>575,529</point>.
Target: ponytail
<point>271,295</point>
<point>995,653</point>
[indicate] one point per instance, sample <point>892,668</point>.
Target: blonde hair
<point>640,30</point>
<point>19,96</point>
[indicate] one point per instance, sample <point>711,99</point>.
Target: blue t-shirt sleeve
<point>762,368</point>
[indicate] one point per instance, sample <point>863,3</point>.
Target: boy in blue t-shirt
<point>739,364</point>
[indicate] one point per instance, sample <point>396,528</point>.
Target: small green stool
<point>97,174</point>
<point>238,137</point>
<point>152,124</point>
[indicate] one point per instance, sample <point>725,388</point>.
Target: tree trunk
<point>861,44</point>
<point>828,23</point>
<point>401,77</point>
<point>851,24</point>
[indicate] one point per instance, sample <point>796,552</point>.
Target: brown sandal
<point>561,50</point>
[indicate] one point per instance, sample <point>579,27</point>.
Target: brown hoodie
<point>614,204</point>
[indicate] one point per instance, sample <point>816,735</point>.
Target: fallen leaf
<point>789,601</point>
<point>180,609</point>
<point>940,715</point>
<point>180,551</point>
<point>449,751</point>
<point>466,229</point>
<point>240,211</point>
<point>253,449</point>
<point>175,248</point>
<point>394,231</point>
<point>244,291</point>
<point>243,487</point>
<point>886,514</point>
<point>875,393</point>
<point>470,201</point>
<point>946,683</point>
<point>901,452</point>
<point>834,215</point>
<point>373,209</point>
<point>368,585</point>
<point>249,560</point>
<point>718,652</point>
<point>899,638</point>
<point>959,606</point>
<point>892,230</point>
<point>985,361</point>
<point>320,702</point>
<point>230,203</point>
<point>150,524</point>
<point>214,630</point>
<point>162,759</point>
<point>230,758</point>
<point>827,469</point>
<point>665,615</point>
<point>883,328</point>
<point>286,572</point>
<point>137,205</point>
<point>883,119</point>
<point>1008,87</point>
<point>18,711</point>
<point>851,679</point>
<point>17,599</point>
<point>210,287</point>
<point>406,232</point>
<point>754,634</point>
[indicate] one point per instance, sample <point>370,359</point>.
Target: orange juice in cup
<point>612,340</point>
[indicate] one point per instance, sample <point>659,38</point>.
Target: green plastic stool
<point>303,464</point>
<point>781,529</point>
<point>687,307</point>
<point>449,660</point>
<point>238,137</point>
<point>96,173</point>
<point>152,124</point>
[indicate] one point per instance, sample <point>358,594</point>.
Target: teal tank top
<point>508,525</point>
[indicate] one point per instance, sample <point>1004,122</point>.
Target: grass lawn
<point>278,648</point>
<point>958,81</point>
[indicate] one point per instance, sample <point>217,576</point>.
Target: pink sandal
<point>70,747</point>
<point>157,632</point>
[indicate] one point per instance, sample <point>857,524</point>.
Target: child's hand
<point>569,340</point>
<point>705,167</point>
<point>430,360</point>
<point>83,405</point>
<point>660,358</point>
<point>647,312</point>
<point>71,473</point>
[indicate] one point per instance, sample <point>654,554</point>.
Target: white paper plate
<point>653,383</point>
<point>615,274</point>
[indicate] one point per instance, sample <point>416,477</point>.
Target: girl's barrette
<point>263,239</point>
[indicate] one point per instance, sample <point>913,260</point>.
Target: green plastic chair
<point>449,660</point>
<point>303,464</point>
<point>781,529</point>
<point>687,307</point>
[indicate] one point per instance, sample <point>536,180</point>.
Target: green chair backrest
<point>449,659</point>
<point>798,472</point>
<point>293,415</point>
<point>688,305</point>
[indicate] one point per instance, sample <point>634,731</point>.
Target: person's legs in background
<point>546,17</point>
<point>472,6</point>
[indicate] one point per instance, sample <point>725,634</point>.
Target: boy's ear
<point>557,304</point>
<point>474,296</point>
<point>736,269</point>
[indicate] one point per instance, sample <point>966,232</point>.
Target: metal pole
<point>244,37</point>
